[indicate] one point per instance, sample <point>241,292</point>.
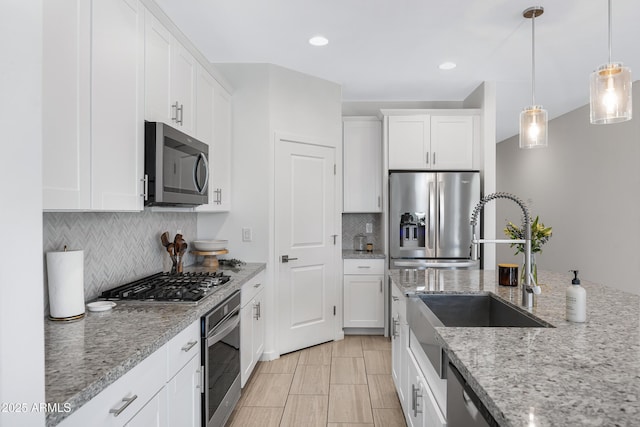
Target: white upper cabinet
<point>362,170</point>
<point>452,142</point>
<point>117,113</point>
<point>157,78</point>
<point>66,105</point>
<point>93,139</point>
<point>432,141</point>
<point>183,88</point>
<point>410,142</point>
<point>213,126</point>
<point>170,78</point>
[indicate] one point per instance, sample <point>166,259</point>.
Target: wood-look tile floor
<point>343,383</point>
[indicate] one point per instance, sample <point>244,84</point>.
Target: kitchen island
<point>576,374</point>
<point>83,357</point>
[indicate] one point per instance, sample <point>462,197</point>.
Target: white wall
<point>21,319</point>
<point>268,99</point>
<point>585,185</point>
<point>484,97</point>
<point>250,153</point>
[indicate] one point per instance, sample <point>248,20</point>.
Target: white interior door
<point>304,227</point>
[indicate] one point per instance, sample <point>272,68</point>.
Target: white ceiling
<point>389,50</point>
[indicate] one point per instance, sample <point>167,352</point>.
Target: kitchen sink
<point>426,312</point>
<point>477,311</point>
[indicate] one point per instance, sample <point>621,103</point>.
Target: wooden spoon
<point>183,247</point>
<point>164,238</point>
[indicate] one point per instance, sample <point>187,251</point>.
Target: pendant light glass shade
<point>611,94</point>
<point>533,127</point>
<point>533,119</point>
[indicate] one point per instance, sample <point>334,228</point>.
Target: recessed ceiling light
<point>318,41</point>
<point>447,66</point>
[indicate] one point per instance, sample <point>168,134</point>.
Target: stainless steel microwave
<point>176,167</point>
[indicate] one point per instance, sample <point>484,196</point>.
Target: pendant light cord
<point>533,58</point>
<point>609,11</point>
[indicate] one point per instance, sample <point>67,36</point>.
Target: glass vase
<point>534,269</point>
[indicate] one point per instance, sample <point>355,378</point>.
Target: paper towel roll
<point>65,271</point>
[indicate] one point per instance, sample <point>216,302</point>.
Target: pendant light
<point>611,90</point>
<point>533,119</point>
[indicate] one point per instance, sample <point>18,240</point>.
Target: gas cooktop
<point>165,287</point>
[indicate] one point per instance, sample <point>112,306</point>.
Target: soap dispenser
<point>576,300</point>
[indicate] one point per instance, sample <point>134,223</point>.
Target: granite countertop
<point>351,254</point>
<point>83,357</point>
<point>573,374</point>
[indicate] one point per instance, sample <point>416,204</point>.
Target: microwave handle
<point>203,188</point>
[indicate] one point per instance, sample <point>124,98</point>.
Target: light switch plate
<point>368,227</point>
<point>246,234</point>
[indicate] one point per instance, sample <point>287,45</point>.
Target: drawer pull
<point>188,346</point>
<point>127,401</point>
<point>364,266</point>
<point>257,285</point>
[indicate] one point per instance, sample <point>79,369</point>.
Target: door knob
<point>285,258</point>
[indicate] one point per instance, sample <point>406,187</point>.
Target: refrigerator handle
<point>432,216</point>
<point>440,208</point>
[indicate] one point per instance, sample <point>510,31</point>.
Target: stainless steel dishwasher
<point>464,408</point>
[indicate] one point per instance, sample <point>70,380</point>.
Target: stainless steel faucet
<point>529,287</point>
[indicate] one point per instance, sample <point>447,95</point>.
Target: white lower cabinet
<point>152,414</point>
<point>363,293</point>
<point>183,387</point>
<point>183,392</point>
<point>399,344</point>
<point>251,326</point>
<point>421,392</point>
<point>163,390</point>
<point>422,407</point>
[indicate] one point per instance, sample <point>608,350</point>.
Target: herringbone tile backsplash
<point>118,246</point>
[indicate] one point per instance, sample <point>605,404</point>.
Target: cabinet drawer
<point>142,381</point>
<point>251,289</point>
<point>363,266</point>
<point>182,348</point>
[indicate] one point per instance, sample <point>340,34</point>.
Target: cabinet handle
<point>259,310</point>
<point>434,158</point>
<point>364,266</point>
<point>378,201</point>
<point>395,298</point>
<point>127,401</point>
<point>415,395</point>
<point>256,309</point>
<point>218,196</point>
<point>257,285</point>
<point>380,286</point>
<point>145,187</point>
<point>181,111</point>
<point>188,346</point>
<point>394,329</point>
<point>427,158</point>
<point>174,108</point>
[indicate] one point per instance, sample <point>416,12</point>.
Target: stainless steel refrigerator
<point>429,216</point>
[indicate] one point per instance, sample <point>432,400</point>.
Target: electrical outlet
<point>369,228</point>
<point>246,234</point>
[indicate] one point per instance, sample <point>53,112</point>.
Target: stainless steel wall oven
<point>221,361</point>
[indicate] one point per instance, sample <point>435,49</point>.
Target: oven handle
<point>223,329</point>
